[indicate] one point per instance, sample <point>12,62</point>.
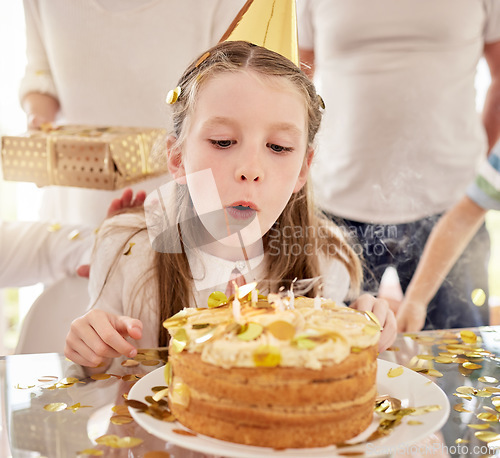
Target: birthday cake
<point>288,374</point>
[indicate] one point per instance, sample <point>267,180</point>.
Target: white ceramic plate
<point>411,388</point>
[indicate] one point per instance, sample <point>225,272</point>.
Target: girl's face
<point>250,134</point>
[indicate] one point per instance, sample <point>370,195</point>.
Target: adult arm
<point>37,92</point>
<point>30,252</point>
<point>446,243</point>
<point>491,110</point>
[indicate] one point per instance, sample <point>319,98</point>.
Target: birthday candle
<point>292,298</point>
<point>317,302</point>
<point>255,296</point>
<point>236,304</point>
<point>276,299</point>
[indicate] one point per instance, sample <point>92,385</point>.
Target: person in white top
<point>245,122</point>
<point>401,136</point>
<point>36,252</point>
<point>110,63</point>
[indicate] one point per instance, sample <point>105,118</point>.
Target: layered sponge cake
<point>268,374</point>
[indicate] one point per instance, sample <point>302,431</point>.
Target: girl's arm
<point>446,243</point>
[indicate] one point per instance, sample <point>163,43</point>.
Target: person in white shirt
<point>401,137</point>
<point>36,252</point>
<point>110,63</point>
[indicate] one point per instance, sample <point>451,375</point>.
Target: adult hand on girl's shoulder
<point>98,336</point>
<point>381,309</point>
<point>411,316</point>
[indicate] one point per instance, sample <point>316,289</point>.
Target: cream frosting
<point>313,337</point>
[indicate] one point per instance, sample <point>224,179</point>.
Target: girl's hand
<point>411,316</point>
<point>98,336</point>
<point>380,307</point>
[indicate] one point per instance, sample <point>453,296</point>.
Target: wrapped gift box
<point>82,156</point>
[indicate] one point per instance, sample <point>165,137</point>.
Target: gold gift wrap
<point>82,156</point>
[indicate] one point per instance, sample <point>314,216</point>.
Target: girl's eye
<point>222,143</point>
<point>278,148</point>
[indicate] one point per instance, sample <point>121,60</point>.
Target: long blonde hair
<point>306,226</point>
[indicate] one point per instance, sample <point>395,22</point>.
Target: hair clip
<point>321,101</point>
<point>173,95</point>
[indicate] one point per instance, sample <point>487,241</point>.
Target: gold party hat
<point>271,24</point>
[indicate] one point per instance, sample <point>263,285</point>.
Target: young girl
<point>244,125</point>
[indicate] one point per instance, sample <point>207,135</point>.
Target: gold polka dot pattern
<point>82,156</point>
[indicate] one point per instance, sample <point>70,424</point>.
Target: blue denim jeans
<point>401,245</point>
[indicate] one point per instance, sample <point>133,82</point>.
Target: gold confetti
<point>492,389</point>
<point>443,359</point>
<point>55,407</point>
<point>266,356</point>
<point>478,297</point>
<point>121,419</point>
<point>150,362</point>
<point>434,373</point>
<point>480,426</point>
<point>282,330</point>
<point>136,404</point>
<point>167,372</point>
<point>157,454</point>
<point>100,376</point>
<point>76,407</point>
<point>121,409</point>
<point>183,432</point>
<point>471,366</point>
<point>216,299</point>
<point>91,452</point>
<point>396,372</point>
<point>54,227</point>
<point>425,357</point>
<point>28,387</point>
<point>160,394</point>
<point>393,349</point>
<point>414,422</point>
<point>250,331</point>
<point>48,378</point>
<point>486,416</point>
<point>131,377</point>
<point>425,409</point>
<point>173,95</point>
<point>129,250</point>
<point>463,396</point>
<point>113,441</point>
<point>180,394</point>
<point>487,436</point>
<point>130,363</point>
<point>468,337</point>
<point>460,408</point>
<point>466,390</point>
<point>461,441</point>
<point>179,341</point>
<point>488,379</point>
<point>484,394</point>
<point>74,234</point>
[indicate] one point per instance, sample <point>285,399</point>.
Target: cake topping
<point>268,332</point>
